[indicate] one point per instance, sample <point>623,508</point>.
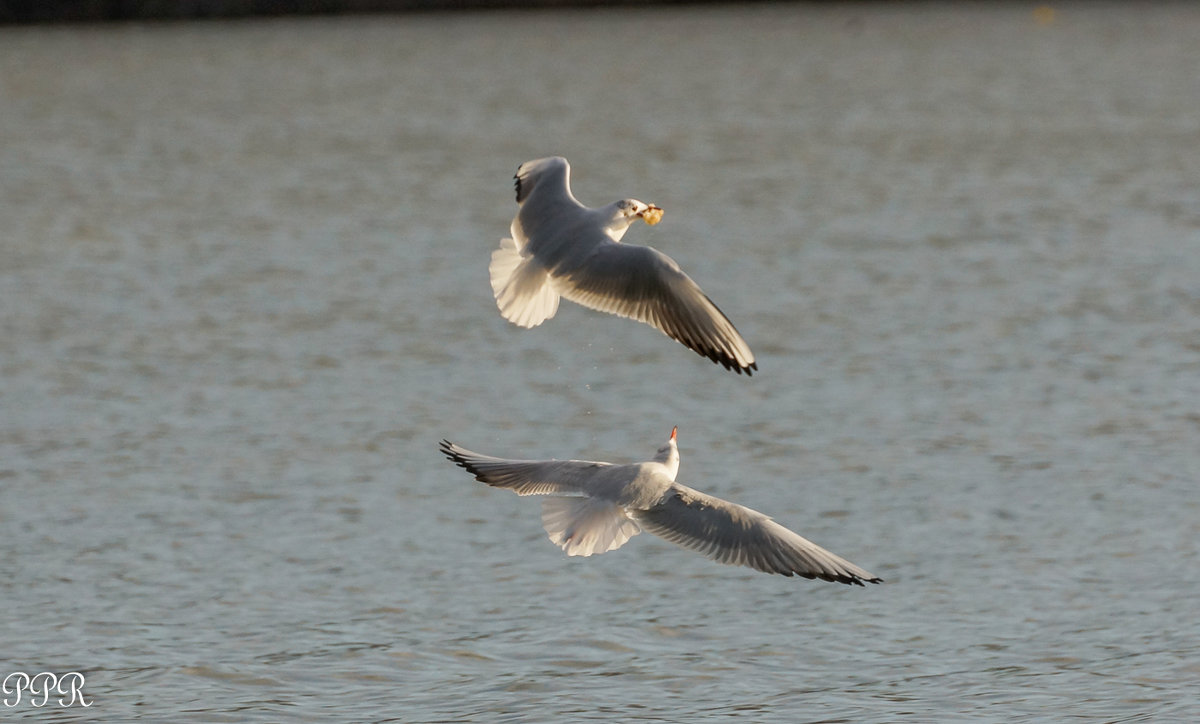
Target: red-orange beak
<point>673,431</point>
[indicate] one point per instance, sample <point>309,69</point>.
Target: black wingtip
<point>718,357</point>
<point>446,448</point>
<point>847,578</point>
<point>518,187</point>
<point>855,580</point>
<point>732,364</point>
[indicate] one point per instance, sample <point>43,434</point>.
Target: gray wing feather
<point>730,533</point>
<point>644,284</point>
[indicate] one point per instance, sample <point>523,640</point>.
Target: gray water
<point>243,272</point>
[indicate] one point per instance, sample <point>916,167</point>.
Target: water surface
<point>244,279</point>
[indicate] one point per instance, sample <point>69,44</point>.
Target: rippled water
<point>243,268</point>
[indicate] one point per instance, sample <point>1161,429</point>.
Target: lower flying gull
<point>594,507</point>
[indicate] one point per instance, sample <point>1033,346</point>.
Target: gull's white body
<point>561,248</point>
<point>594,507</point>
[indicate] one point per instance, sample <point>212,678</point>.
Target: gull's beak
<point>673,431</point>
<point>651,215</point>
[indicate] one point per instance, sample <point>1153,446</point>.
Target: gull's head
<point>625,212</point>
<point>668,454</point>
<point>632,209</point>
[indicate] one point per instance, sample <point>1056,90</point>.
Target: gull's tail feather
<point>586,526</point>
<point>521,286</point>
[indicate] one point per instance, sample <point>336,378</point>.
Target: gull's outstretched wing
<point>734,534</point>
<point>547,206</point>
<point>525,477</point>
<point>644,284</point>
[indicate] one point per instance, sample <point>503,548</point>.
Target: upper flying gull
<point>561,248</point>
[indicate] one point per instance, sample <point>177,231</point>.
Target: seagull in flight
<point>595,507</point>
<point>561,248</point>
